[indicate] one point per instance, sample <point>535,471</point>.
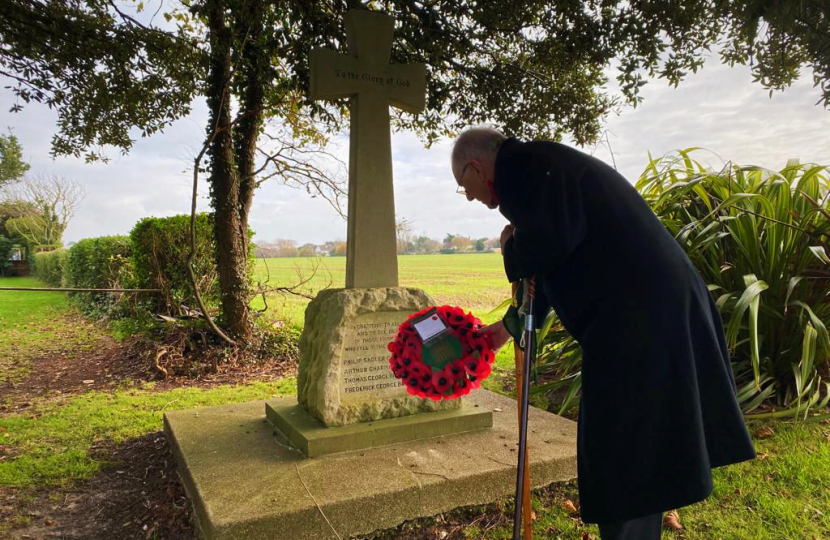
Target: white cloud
<point>719,108</point>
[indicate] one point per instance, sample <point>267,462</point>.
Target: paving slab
<point>248,482</point>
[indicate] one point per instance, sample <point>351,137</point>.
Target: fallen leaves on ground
<point>672,521</point>
<point>569,506</point>
<point>765,432</point>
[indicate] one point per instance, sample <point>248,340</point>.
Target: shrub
<point>100,263</point>
<point>160,250</point>
<point>758,238</point>
<point>50,266</point>
<point>6,245</point>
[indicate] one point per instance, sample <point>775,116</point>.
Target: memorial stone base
<point>314,439</point>
<point>344,375</point>
<point>247,482</point>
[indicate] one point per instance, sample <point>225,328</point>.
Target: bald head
<point>478,143</point>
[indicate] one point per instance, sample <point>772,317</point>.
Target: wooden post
<point>527,509</point>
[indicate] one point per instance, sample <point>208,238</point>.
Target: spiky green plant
<point>759,239</point>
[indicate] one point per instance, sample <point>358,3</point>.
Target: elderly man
<point>658,408</point>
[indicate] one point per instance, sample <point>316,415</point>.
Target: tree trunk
<point>256,65</point>
<point>230,232</point>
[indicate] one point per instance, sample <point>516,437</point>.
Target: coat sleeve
<point>546,209</point>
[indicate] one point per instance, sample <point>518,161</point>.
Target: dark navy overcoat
<point>658,409</point>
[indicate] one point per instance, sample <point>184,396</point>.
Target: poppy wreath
<point>454,378</point>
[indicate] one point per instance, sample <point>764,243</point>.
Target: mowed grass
<point>782,495</point>
<point>34,324</point>
<point>50,444</point>
<point>474,281</point>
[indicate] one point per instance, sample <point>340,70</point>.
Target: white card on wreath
<point>429,327</point>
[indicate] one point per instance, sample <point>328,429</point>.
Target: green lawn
<point>474,281</point>
<point>37,323</point>
<point>781,495</point>
<point>51,442</point>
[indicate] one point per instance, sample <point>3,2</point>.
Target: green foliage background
<point>153,256</point>
<point>758,237</point>
<point>51,266</point>
<point>159,256</point>
<point>100,263</point>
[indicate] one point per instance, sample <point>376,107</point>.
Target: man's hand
<point>506,233</point>
<point>500,334</point>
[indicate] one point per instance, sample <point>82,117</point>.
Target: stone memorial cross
<point>371,83</point>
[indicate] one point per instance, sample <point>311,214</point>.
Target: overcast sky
<point>719,108</point>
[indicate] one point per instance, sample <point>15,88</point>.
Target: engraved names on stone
<point>364,364</point>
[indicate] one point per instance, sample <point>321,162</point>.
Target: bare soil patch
<point>110,364</point>
<point>137,496</point>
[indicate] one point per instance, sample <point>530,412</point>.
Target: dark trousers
<point>643,528</point>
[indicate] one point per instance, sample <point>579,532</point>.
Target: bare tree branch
<point>304,165</point>
<point>52,200</point>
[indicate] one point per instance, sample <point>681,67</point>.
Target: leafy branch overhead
<point>12,166</point>
<point>535,68</point>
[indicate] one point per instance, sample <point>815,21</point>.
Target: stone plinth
<point>313,439</point>
<point>247,483</point>
<point>344,375</point>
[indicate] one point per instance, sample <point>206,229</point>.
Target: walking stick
<point>522,389</point>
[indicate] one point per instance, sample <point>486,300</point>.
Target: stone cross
<point>371,83</point>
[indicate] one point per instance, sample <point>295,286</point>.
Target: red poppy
<point>475,366</point>
<point>461,387</point>
<point>456,369</point>
<point>442,381</point>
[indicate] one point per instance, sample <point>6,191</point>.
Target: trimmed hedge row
<point>153,256</point>
<point>160,249</point>
<point>100,263</point>
<point>50,266</point>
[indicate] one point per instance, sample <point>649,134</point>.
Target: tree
<point>45,204</point>
<point>534,68</point>
<point>338,249</point>
<point>307,250</point>
<point>11,209</point>
<point>461,243</point>
<point>403,232</point>
<point>424,245</point>
<point>286,248</point>
<point>12,166</point>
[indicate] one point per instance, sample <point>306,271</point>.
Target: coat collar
<point>510,145</point>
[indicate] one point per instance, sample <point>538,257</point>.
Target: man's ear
<point>478,167</point>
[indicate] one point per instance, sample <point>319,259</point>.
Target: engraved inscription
<point>364,362</point>
<point>372,78</point>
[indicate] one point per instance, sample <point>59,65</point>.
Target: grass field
<point>37,323</point>
<point>781,495</point>
<point>475,282</point>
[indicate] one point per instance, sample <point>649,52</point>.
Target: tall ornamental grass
<point>759,238</point>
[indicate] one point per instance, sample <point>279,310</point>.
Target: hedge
<point>159,257</point>
<point>50,266</point>
<point>100,263</point>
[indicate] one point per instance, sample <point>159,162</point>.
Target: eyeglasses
<point>460,190</point>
